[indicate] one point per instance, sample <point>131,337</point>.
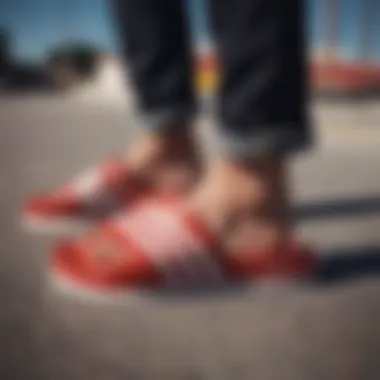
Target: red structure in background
<point>347,78</point>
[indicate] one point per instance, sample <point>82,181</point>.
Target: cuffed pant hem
<point>263,143</point>
<point>165,120</point>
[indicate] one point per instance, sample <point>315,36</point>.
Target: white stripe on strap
<point>90,184</point>
<point>179,255</point>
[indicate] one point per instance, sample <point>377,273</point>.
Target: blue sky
<point>35,25</point>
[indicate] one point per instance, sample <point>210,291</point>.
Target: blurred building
<point>345,46</point>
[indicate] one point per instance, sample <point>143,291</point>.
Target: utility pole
<point>367,25</point>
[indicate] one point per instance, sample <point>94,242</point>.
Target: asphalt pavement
<point>326,329</point>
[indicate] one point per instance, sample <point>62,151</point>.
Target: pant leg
<point>262,103</point>
<point>155,41</point>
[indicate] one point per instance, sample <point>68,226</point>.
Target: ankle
<point>154,148</point>
<point>233,191</point>
<point>249,185</point>
<point>165,161</point>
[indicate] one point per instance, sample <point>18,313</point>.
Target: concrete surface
<point>325,330</point>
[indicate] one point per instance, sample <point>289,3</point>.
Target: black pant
<point>261,105</point>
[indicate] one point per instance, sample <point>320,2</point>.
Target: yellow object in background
<point>206,80</point>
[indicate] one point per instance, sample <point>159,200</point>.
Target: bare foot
<point>245,204</point>
<point>165,162</point>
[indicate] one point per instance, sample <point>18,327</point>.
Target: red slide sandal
<point>156,245</point>
<point>92,195</point>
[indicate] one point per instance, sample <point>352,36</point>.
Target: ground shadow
<point>340,265</point>
<point>332,268</point>
<point>339,208</point>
